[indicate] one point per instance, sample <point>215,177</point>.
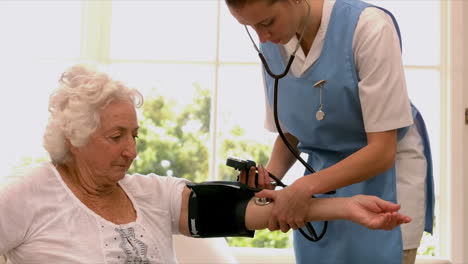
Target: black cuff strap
<point>217,209</point>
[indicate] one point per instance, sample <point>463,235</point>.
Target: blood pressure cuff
<point>217,209</point>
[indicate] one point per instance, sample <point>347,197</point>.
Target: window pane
<point>234,43</point>
<point>241,134</point>
<point>23,111</point>
<point>164,30</point>
<point>241,117</point>
<point>241,94</point>
<point>176,81</point>
<point>175,119</point>
<point>424,91</point>
<point>419,23</point>
<point>40,29</point>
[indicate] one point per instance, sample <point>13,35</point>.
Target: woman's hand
<point>374,213</point>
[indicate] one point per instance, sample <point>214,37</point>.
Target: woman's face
<point>112,147</point>
<point>277,22</point>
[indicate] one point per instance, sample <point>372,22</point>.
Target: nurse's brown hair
<point>241,3</point>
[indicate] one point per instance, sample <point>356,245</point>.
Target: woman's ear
<point>70,146</point>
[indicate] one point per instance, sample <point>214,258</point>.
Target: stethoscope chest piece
<point>262,201</point>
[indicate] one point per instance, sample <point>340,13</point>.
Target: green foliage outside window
<point>263,239</point>
<point>174,141</point>
<point>167,145</point>
<point>428,242</point>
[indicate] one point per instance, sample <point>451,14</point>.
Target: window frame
<point>95,46</point>
<point>455,212</point>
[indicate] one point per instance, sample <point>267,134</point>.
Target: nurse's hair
<point>75,108</point>
<point>241,3</point>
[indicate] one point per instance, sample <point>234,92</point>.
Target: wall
<point>459,134</point>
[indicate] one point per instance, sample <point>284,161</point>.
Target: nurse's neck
<point>315,18</point>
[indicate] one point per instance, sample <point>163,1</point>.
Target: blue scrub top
<point>339,135</point>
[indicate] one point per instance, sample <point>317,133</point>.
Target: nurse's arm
<point>371,160</point>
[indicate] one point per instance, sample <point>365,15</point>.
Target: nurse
<point>344,102</point>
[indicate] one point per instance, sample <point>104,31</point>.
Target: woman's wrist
<point>344,211</point>
<point>330,209</point>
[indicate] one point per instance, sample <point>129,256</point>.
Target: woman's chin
<point>120,172</point>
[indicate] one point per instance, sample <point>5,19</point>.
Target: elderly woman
<point>82,207</point>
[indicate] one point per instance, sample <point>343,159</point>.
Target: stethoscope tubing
<point>277,77</point>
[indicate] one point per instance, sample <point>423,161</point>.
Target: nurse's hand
<point>374,213</point>
<point>264,181</point>
<point>288,209</point>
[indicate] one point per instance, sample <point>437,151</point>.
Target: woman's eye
<point>115,138</point>
<point>135,137</point>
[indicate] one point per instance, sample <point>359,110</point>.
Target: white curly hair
<point>75,108</point>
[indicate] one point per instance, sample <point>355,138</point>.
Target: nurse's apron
<point>337,136</point>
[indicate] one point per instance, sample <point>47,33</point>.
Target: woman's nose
<point>129,150</point>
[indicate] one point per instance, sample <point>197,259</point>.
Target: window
<point>196,64</point>
<point>38,39</point>
<point>423,66</point>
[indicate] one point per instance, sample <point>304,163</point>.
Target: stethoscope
<point>314,237</point>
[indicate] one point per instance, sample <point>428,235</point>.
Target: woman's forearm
<point>257,216</point>
<point>319,209</point>
<point>369,211</point>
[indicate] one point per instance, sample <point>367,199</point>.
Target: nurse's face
<point>276,22</point>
